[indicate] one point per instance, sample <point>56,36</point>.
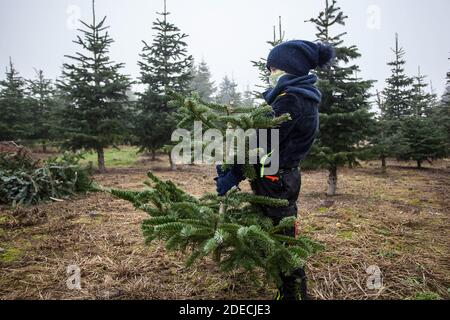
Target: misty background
<point>228,34</point>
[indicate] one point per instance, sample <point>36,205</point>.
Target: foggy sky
<point>228,33</point>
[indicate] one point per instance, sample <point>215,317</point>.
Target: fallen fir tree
<point>27,181</point>
<point>231,229</point>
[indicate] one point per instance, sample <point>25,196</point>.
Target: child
<point>292,91</point>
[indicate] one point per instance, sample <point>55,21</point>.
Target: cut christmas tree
<point>230,229</point>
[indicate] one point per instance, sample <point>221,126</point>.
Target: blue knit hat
<point>298,57</point>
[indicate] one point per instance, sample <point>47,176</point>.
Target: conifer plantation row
<point>94,106</point>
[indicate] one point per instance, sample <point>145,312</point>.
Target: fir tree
<point>441,114</point>
<point>421,100</point>
<point>395,103</point>
<point>165,65</point>
<point>228,93</point>
<point>14,122</point>
<point>344,111</point>
<point>424,141</point>
<point>398,91</point>
<point>95,91</point>
<point>202,83</point>
<point>386,138</point>
<point>231,229</point>
<point>423,138</point>
<point>41,92</point>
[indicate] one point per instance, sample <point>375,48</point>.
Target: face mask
<point>275,77</point>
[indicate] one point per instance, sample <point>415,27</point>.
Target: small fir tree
<point>202,83</point>
<point>424,140</point>
<point>228,93</point>
<point>14,120</point>
<point>42,98</point>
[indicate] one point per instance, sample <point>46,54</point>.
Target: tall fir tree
<point>165,65</point>
<point>96,93</point>
<point>14,120</point>
<point>228,93</point>
<point>395,103</point>
<point>398,93</point>
<point>345,111</point>
<point>202,83</point>
<point>261,64</point>
<point>42,98</point>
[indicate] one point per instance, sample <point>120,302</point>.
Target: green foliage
<point>346,122</point>
<point>43,105</point>
<point>230,229</point>
<point>223,117</point>
<point>18,160</point>
<point>15,119</point>
<point>165,65</point>
<point>95,93</point>
<point>412,124</point>
<point>202,83</point>
<point>23,181</point>
<point>397,94</point>
<point>423,140</point>
<point>228,93</point>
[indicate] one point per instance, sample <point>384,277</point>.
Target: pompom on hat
<point>299,57</point>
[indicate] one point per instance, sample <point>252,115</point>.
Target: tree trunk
<point>173,166</point>
<point>419,164</point>
<point>332,181</point>
<point>44,147</point>
<point>153,155</point>
<point>383,164</point>
<point>101,160</point>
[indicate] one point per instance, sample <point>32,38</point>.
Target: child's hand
<point>228,179</point>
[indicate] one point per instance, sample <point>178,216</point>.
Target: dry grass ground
<point>398,221</point>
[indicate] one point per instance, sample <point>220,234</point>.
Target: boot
<point>294,287</point>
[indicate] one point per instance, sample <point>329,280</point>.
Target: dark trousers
<point>286,187</point>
